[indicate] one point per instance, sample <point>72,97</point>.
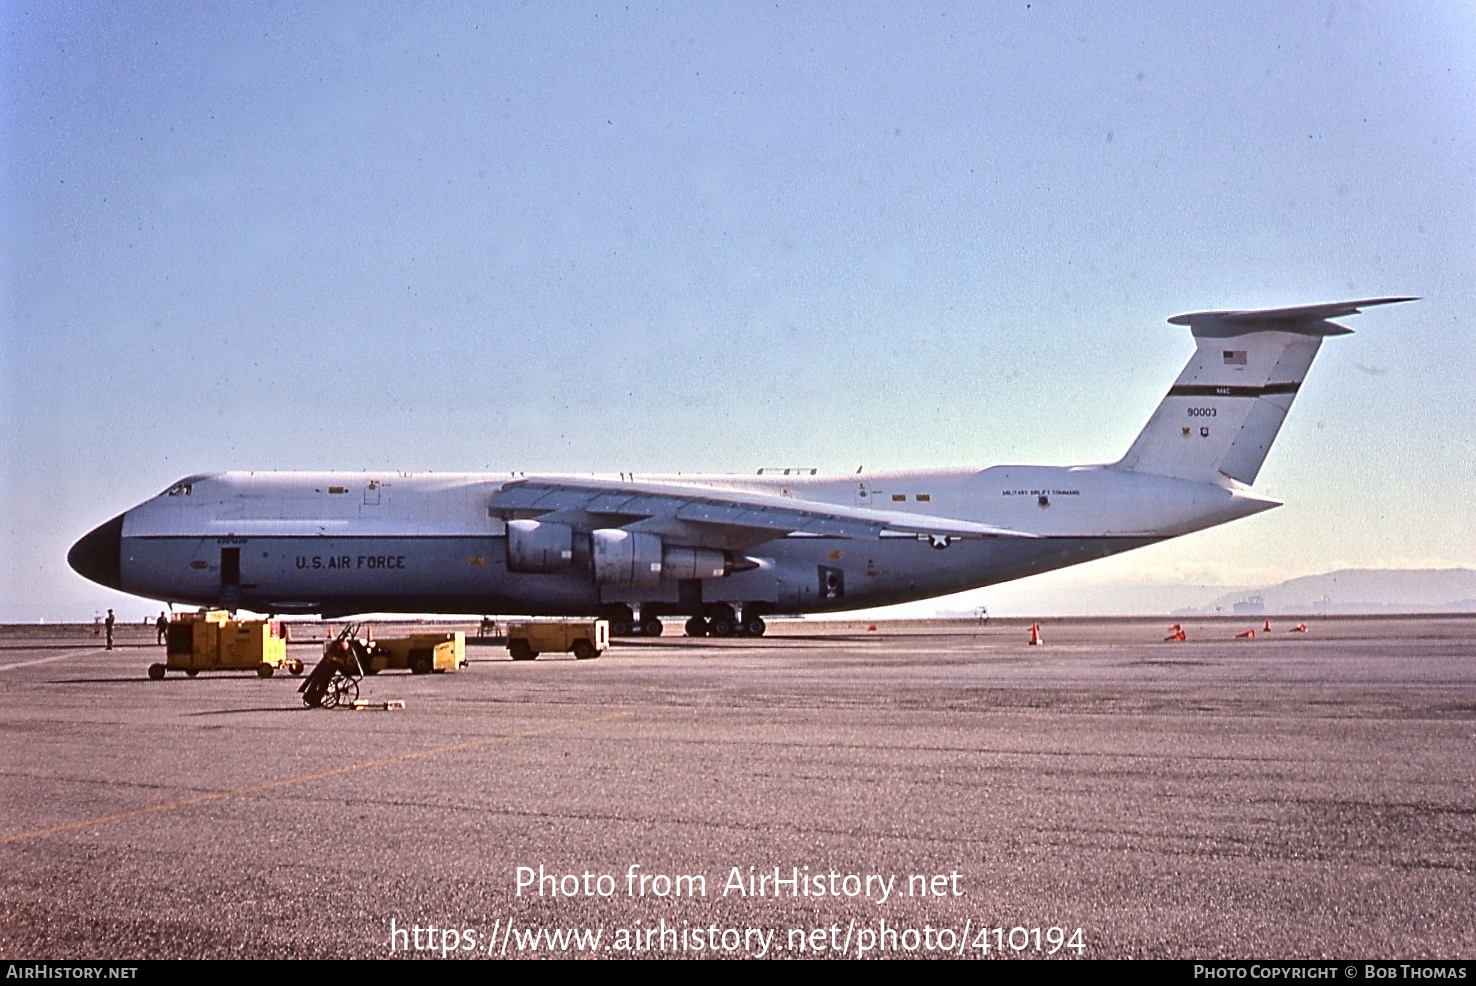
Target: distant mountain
<point>1360,590</point>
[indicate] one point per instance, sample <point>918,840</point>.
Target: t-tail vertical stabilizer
<point>1223,412</point>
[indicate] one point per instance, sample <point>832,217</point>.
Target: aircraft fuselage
<point>338,543</point>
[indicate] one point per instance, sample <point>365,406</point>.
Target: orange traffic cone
<point>1248,635</point>
<point>1176,632</point>
<point>1299,628</point>
<point>871,629</point>
<point>1035,640</point>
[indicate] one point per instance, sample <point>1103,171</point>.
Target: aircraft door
<point>230,578</point>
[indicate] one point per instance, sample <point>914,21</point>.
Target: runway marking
<point>54,657</point>
<point>302,779</point>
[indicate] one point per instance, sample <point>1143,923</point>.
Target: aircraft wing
<point>708,517</point>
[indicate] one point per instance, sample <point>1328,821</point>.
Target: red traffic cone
<point>1248,635</point>
<point>1035,640</point>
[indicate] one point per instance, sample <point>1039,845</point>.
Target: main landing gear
<point>623,623</point>
<point>721,621</point>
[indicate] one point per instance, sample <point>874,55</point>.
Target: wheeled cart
<point>209,640</point>
<point>420,653</point>
<point>584,638</point>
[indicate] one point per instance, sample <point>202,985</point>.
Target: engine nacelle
<point>695,563</point>
<point>539,549</point>
<point>626,558</point>
<point>637,560</point>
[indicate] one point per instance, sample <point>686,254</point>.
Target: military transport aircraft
<point>724,550</point>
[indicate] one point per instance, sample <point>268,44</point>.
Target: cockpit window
<point>186,486</point>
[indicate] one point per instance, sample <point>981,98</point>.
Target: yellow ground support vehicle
<point>209,640</point>
<point>421,653</point>
<point>586,638</point>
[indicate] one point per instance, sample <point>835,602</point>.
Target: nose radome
<point>96,555</point>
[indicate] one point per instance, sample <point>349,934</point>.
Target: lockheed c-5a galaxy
<point>723,551</point>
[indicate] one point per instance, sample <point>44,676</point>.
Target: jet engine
<point>539,549</point>
<point>626,558</point>
<point>696,563</point>
<point>636,560</point>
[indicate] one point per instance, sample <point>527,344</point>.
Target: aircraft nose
<point>96,555</point>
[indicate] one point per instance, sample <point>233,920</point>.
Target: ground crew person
<point>162,626</point>
<point>108,626</point>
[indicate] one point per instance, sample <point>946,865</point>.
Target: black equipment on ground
<point>334,680</point>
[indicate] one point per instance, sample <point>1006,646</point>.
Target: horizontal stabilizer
<point>1301,319</point>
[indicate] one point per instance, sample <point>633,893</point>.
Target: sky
<point>714,237</point>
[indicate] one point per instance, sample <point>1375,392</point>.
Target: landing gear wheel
<point>755,626</point>
<point>723,626</point>
<point>696,627</point>
<point>345,692</point>
<point>156,672</point>
<point>622,621</point>
<point>191,673</point>
<point>584,650</point>
<point>264,670</point>
<point>651,627</point>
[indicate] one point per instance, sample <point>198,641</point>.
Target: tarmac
<point>830,790</point>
